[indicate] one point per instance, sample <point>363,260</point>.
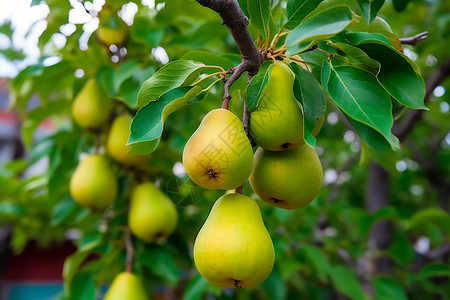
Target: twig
<point>413,40</point>
<point>130,250</point>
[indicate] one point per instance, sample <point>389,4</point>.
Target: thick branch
<point>413,40</point>
<point>414,116</point>
<point>236,22</point>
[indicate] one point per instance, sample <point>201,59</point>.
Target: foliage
<point>358,75</point>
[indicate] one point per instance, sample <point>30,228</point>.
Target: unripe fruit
<point>93,185</point>
<point>290,179</point>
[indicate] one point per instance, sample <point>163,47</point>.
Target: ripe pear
<point>233,248</point>
<point>152,216</point>
<point>116,144</point>
<point>91,106</point>
<point>290,179</point>
<point>93,184</point>
<point>219,155</point>
<point>126,286</point>
<point>112,29</point>
<point>277,123</point>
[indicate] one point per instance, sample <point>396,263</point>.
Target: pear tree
<point>236,149</point>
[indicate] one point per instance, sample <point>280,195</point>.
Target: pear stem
<point>130,250</point>
<point>238,190</point>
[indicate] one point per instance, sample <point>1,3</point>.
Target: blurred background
<point>379,229</point>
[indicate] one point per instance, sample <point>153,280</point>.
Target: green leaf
<point>259,12</point>
<point>397,76</point>
<point>400,5</point>
<point>373,138</point>
<point>370,8</point>
<point>62,210</point>
<point>309,93</point>
<point>275,286</point>
<point>387,288</point>
<point>170,76</point>
<point>359,95</point>
<point>257,84</point>
<point>243,5</point>
<point>320,26</point>
<point>317,259</point>
<point>71,266</point>
<point>297,10</point>
<point>434,270</point>
<point>147,126</point>
<point>161,263</point>
<point>344,280</point>
<point>83,287</point>
<point>208,58</point>
<point>195,288</point>
<point>431,215</point>
<point>356,38</point>
<point>357,57</point>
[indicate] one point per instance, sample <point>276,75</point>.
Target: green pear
<point>126,286</point>
<point>116,144</point>
<point>290,179</point>
<point>233,248</point>
<point>277,123</point>
<point>219,155</point>
<point>92,106</point>
<point>152,216</point>
<point>93,184</point>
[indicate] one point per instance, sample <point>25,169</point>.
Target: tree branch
<point>236,22</point>
<point>413,40</point>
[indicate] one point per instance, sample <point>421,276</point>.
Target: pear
<point>116,144</point>
<point>290,179</point>
<point>152,216</point>
<point>126,286</point>
<point>93,185</point>
<point>233,248</point>
<point>219,155</point>
<point>277,123</point>
<point>91,106</point>
<point>112,29</point>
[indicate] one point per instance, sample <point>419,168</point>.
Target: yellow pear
<point>233,248</point>
<point>152,216</point>
<point>126,286</point>
<point>91,106</point>
<point>219,155</point>
<point>290,179</point>
<point>277,123</point>
<point>112,29</point>
<point>93,184</point>
<point>116,144</point>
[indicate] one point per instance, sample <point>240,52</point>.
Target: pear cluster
<point>285,172</point>
<point>219,156</point>
<point>152,216</point>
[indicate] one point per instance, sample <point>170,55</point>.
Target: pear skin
<point>116,144</point>
<point>126,286</point>
<point>93,184</point>
<point>233,248</point>
<point>277,123</point>
<point>219,155</point>
<point>92,106</point>
<point>152,216</point>
<point>290,179</point>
